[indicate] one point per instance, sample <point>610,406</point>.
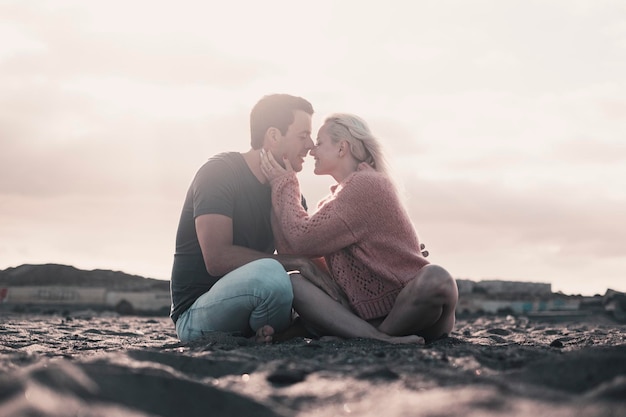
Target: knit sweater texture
<point>361,229</point>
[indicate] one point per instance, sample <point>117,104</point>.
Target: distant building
<point>501,287</point>
<point>513,287</point>
<point>497,296</point>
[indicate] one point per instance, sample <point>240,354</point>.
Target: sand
<point>101,364</point>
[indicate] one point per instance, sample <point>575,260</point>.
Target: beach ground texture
<point>102,364</point>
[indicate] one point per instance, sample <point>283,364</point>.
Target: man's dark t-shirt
<point>223,185</point>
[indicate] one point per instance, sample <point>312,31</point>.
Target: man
<point>225,275</point>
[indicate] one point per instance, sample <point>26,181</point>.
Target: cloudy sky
<point>505,122</point>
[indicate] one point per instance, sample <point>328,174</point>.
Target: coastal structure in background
<point>52,287</point>
<point>534,300</point>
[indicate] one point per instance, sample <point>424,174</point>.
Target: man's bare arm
<point>215,235</point>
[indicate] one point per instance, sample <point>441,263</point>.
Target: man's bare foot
<point>264,334</point>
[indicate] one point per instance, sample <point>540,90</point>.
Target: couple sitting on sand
<point>248,255</point>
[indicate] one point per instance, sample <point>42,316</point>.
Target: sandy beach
<point>104,364</point>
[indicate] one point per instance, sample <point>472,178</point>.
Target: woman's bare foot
<point>264,334</point>
<point>396,340</point>
<point>411,339</point>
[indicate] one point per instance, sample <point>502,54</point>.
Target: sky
<point>504,121</point>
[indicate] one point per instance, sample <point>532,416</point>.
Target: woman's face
<point>325,153</point>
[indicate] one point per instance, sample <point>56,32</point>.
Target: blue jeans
<point>242,301</point>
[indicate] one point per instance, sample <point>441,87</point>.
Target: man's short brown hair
<point>274,110</point>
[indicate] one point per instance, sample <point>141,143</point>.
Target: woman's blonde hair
<point>364,146</point>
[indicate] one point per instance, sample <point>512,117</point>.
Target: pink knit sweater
<point>361,229</point>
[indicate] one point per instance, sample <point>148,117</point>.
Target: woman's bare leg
<point>320,310</point>
<point>426,306</point>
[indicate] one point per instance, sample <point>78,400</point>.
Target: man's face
<point>297,142</point>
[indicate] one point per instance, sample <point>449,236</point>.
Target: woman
<point>367,239</point>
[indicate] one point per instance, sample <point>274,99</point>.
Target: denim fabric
<point>242,301</point>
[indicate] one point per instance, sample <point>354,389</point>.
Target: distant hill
<point>65,275</point>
